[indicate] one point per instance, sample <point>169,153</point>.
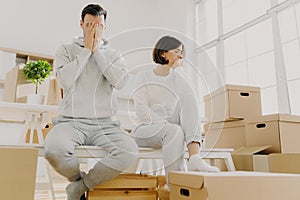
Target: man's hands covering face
<point>92,33</point>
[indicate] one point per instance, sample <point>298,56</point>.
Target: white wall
<point>42,25</point>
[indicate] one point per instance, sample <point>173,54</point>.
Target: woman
<point>167,110</point>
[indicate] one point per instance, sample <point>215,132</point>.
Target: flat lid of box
<point>276,117</point>
<point>187,179</point>
<point>240,173</point>
<point>242,88</point>
<point>248,150</point>
<point>227,124</point>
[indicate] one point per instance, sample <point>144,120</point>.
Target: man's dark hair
<point>93,9</point>
<point>165,44</point>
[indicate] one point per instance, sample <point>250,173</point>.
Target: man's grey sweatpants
<point>68,133</point>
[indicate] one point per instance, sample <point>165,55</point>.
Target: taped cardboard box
<point>278,163</point>
<point>278,130</point>
<point>127,187</point>
<point>18,173</point>
<point>233,102</point>
<point>233,186</point>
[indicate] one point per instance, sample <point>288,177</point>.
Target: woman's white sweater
<point>160,98</point>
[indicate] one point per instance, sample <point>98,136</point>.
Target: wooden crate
<point>126,187</point>
<point>121,194</point>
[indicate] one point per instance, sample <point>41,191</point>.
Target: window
<point>207,21</point>
<point>289,21</point>
<point>239,12</point>
<point>250,33</point>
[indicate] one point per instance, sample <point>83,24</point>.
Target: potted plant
<point>37,72</point>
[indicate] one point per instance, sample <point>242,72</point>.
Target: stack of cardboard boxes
<point>262,144</point>
<point>236,121</point>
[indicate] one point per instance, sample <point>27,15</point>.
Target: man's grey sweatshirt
<point>88,79</point>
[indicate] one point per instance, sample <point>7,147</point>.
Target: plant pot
<point>35,99</point>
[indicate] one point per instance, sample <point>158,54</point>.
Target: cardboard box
<point>233,186</point>
<point>278,130</point>
<point>243,157</point>
<point>187,185</point>
<point>127,187</point>
<point>229,134</point>
<point>225,134</point>
<point>18,173</point>
<point>162,193</point>
<point>233,102</point>
<point>278,163</point>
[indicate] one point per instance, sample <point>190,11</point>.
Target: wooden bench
<point>144,153</point>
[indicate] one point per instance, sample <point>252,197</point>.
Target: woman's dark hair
<point>164,44</point>
<point>93,9</point>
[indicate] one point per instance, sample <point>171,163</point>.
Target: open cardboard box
<point>243,157</point>
<point>278,163</point>
<point>233,186</point>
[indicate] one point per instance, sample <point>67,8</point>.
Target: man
<point>87,71</point>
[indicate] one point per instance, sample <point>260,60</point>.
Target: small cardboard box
<point>225,134</point>
<point>243,157</point>
<point>278,163</point>
<point>127,187</point>
<point>233,102</point>
<point>18,173</point>
<point>233,186</point>
<point>278,130</point>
